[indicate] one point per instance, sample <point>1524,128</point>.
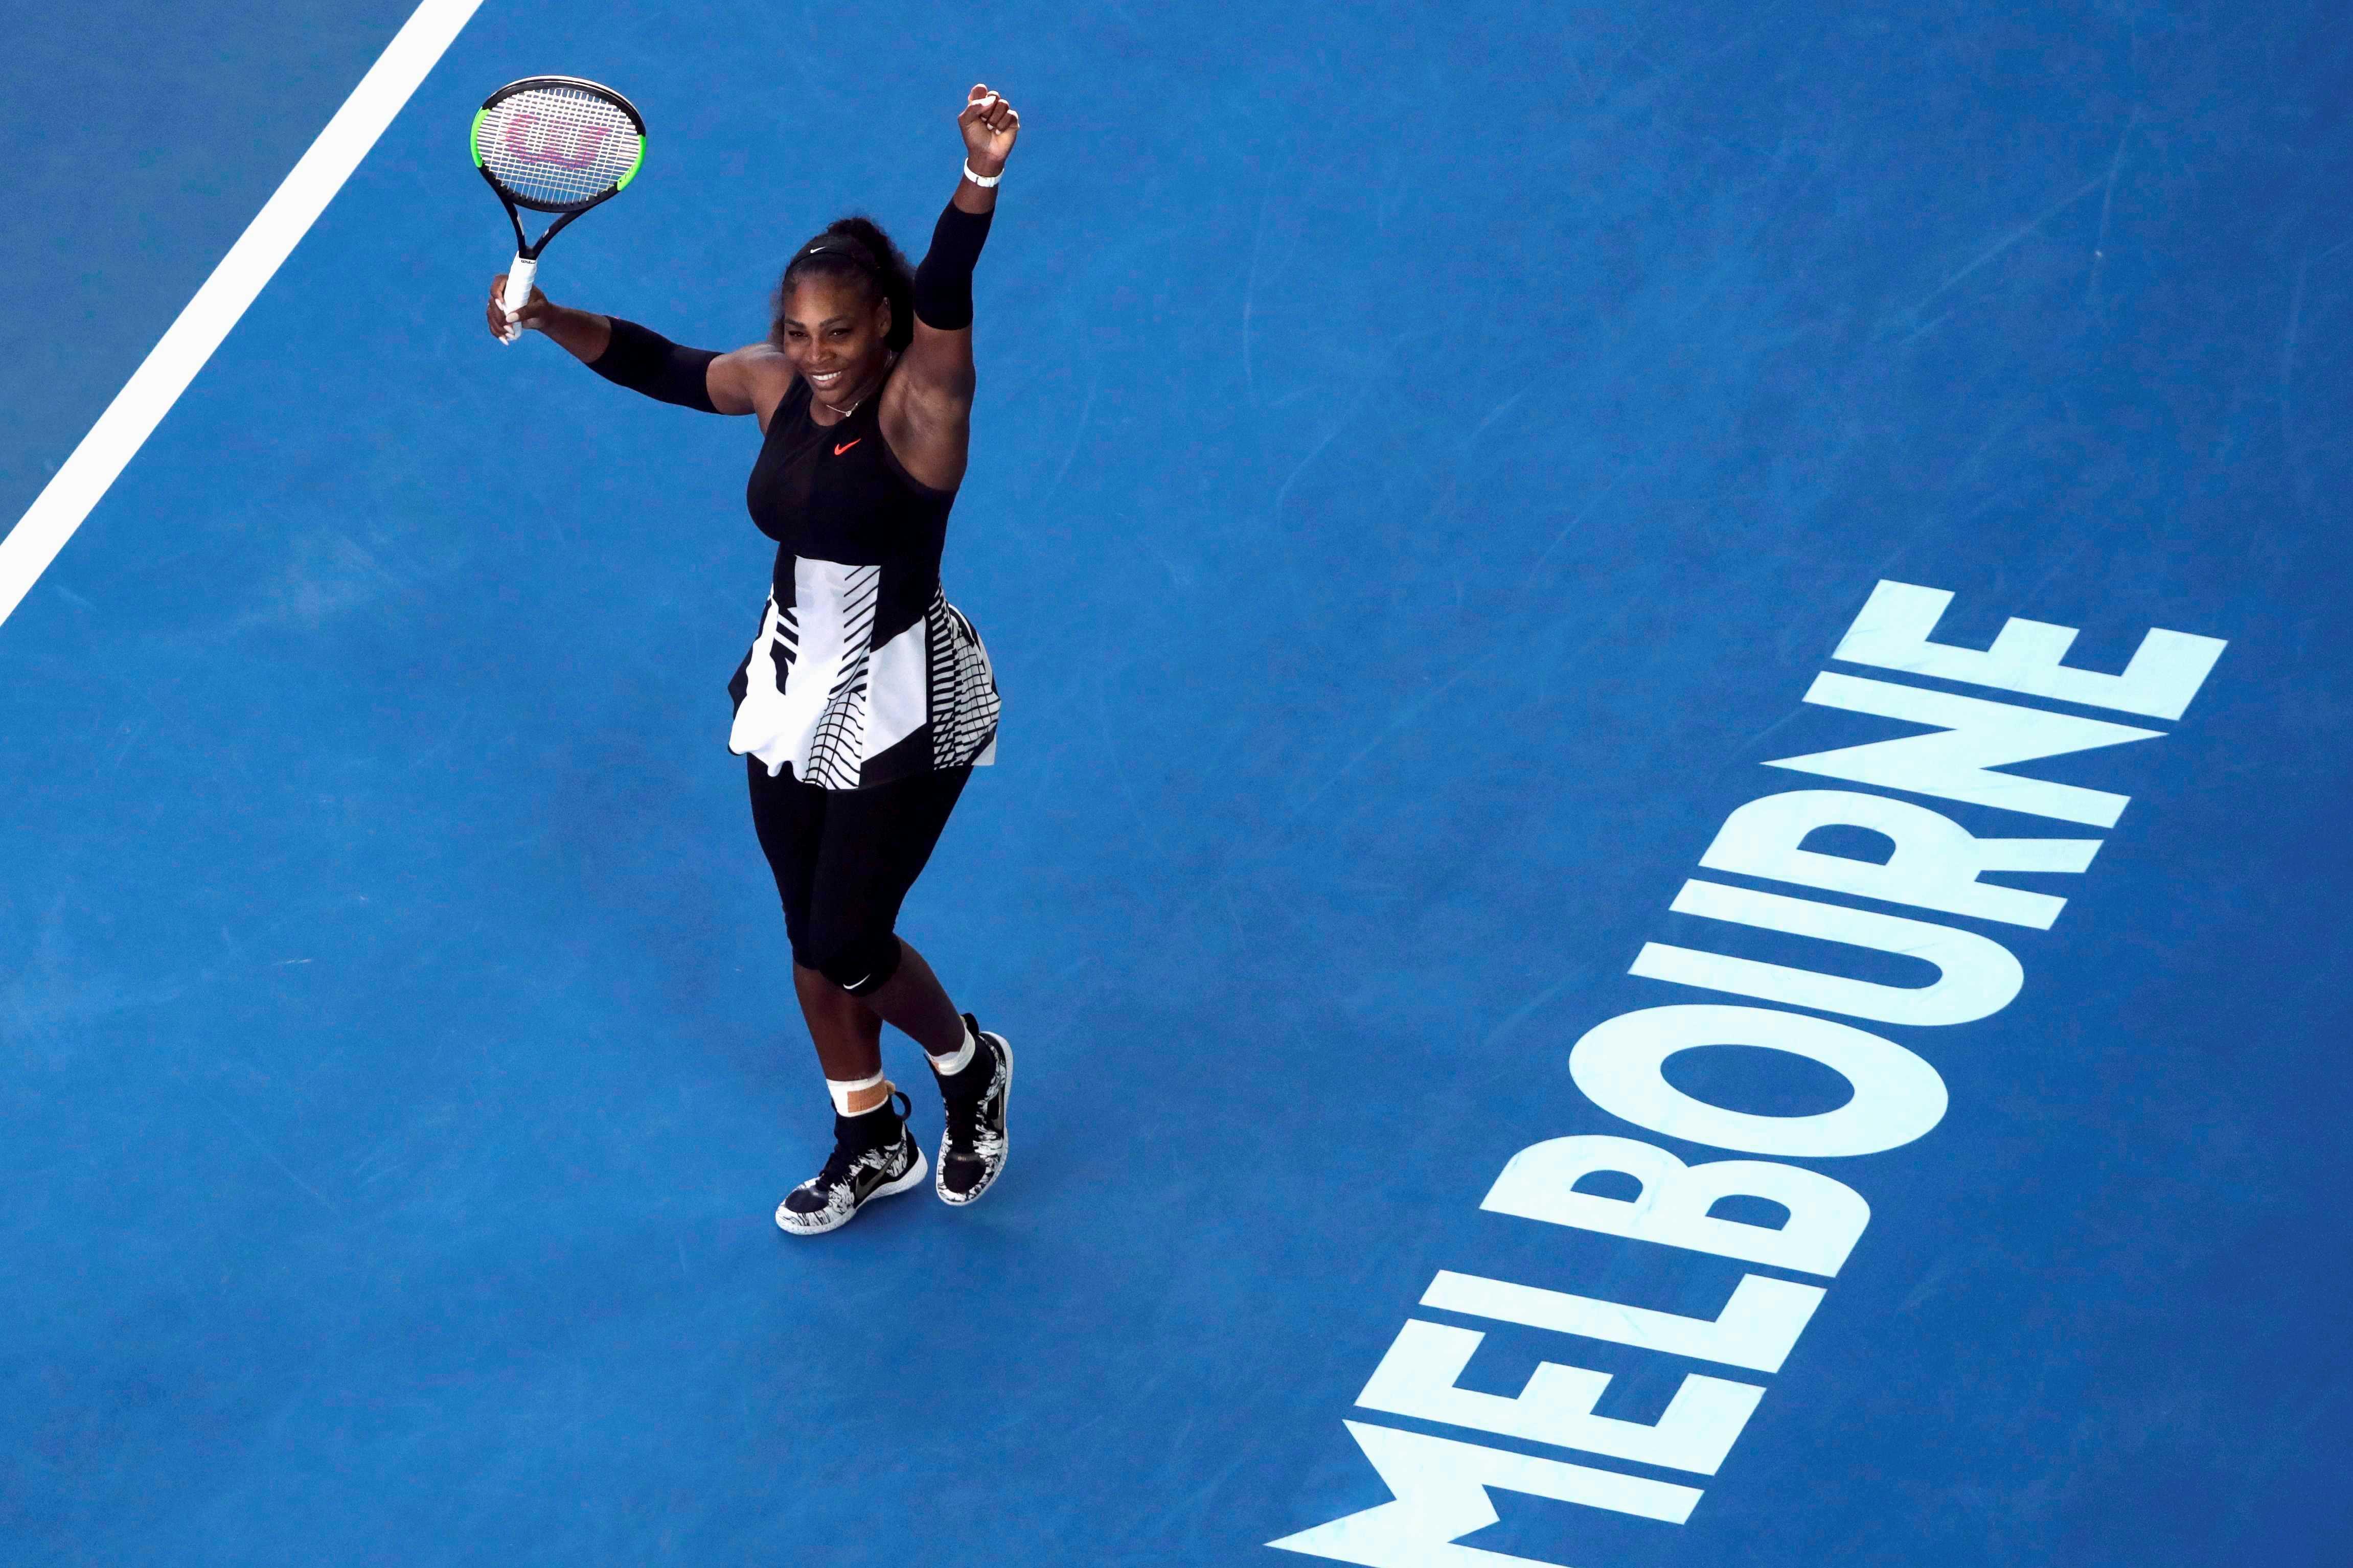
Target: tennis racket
<point>554,144</point>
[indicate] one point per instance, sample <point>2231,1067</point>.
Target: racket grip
<point>518,293</point>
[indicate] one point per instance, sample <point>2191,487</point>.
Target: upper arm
<point>937,367</point>
<point>746,380</point>
<point>927,408</point>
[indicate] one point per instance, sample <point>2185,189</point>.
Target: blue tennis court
<point>1600,979</point>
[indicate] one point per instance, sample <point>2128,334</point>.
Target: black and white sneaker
<point>973,1149</point>
<point>875,1156</point>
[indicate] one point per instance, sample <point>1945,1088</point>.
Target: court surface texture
<point>1431,465</point>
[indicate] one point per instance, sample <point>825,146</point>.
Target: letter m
<point>1440,1487</point>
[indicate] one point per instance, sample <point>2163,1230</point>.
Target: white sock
<point>948,1067</point>
<point>842,1092</point>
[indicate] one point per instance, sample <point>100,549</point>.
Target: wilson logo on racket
<point>588,140</point>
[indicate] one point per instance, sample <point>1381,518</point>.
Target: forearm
<point>644,361</point>
<point>583,335</point>
<point>943,280</point>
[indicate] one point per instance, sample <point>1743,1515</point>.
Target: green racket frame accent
<point>623,183</point>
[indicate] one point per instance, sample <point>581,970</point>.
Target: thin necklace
<point>845,412</point>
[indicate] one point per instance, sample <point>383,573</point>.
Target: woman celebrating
<point>867,699</point>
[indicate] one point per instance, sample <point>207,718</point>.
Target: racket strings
<point>557,147</point>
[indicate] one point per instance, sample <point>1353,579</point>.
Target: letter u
<point>1976,976</point>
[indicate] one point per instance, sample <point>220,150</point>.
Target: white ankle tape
<point>842,1092</point>
<point>948,1067</point>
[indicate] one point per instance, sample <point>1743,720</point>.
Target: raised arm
<point>643,359</point>
<point>927,409</point>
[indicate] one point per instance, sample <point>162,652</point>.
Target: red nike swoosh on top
<point>845,445</point>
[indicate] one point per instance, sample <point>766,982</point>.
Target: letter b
<point>1826,1216</point>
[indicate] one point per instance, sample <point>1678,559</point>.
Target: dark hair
<point>855,246</point>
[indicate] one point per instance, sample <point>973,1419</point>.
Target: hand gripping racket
<point>554,144</point>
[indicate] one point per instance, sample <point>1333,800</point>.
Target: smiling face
<point>831,329</point>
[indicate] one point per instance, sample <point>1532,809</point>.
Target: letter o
<point>1897,1096</point>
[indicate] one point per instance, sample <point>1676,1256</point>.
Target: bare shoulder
<point>750,380</point>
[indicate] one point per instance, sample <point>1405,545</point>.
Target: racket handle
<point>518,293</point>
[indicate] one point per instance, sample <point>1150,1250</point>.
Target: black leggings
<point>844,860</point>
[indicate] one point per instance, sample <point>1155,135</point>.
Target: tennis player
<point>866,700</point>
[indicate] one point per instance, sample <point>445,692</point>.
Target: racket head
<point>558,143</point>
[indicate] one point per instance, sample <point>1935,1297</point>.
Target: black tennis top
<point>836,492</point>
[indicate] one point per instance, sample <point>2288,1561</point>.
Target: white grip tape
<point>518,293</point>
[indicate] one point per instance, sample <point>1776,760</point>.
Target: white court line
<point>250,263</point>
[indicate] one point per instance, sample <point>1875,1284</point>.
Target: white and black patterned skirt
<point>847,702</point>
